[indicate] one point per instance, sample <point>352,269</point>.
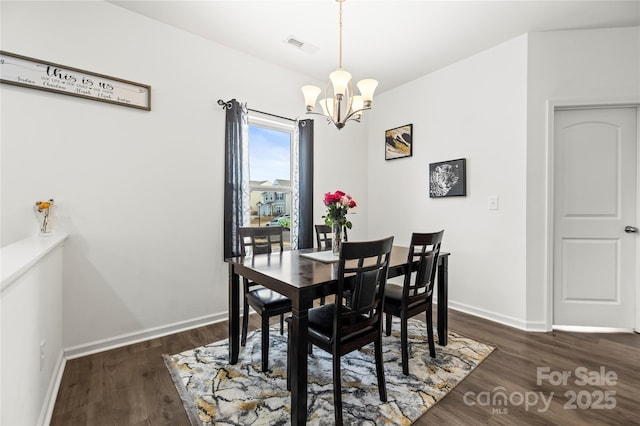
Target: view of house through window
<point>270,174</point>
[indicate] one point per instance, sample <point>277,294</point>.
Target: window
<point>297,194</point>
<point>271,166</point>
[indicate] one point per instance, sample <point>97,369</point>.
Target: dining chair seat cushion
<point>321,324</point>
<point>321,319</point>
<point>269,299</point>
<point>393,291</point>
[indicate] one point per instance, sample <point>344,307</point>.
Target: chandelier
<point>342,106</point>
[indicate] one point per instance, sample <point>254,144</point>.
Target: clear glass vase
<point>336,238</point>
<point>44,212</point>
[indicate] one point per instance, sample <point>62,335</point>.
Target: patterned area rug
<point>217,393</point>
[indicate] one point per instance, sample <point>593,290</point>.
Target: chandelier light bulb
<point>367,87</point>
<point>310,93</point>
<point>340,80</point>
<point>327,106</point>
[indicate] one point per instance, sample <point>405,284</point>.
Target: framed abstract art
<point>398,142</point>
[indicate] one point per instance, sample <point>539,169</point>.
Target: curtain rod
<point>223,104</point>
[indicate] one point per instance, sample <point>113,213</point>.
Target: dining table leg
<point>443,297</point>
<point>234,315</point>
<point>299,336</point>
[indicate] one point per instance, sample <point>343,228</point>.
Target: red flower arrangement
<point>338,204</point>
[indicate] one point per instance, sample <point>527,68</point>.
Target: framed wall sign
<point>23,71</point>
<point>398,142</point>
<point>448,178</point>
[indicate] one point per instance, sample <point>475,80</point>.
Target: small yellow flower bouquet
<point>44,215</point>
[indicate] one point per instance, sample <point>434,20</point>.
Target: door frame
<point>569,104</point>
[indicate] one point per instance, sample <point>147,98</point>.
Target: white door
<point>594,271</point>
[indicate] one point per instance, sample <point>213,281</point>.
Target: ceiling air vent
<point>296,43</point>
<point>301,45</point>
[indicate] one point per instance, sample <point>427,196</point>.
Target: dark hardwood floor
<point>131,385</point>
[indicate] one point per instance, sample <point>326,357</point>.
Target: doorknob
<point>630,229</point>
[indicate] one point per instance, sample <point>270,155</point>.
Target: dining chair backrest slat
<point>260,240</point>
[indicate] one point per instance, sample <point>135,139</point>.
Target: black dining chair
<point>411,294</point>
<point>324,235</point>
<point>324,238</point>
<point>267,303</point>
<point>340,328</point>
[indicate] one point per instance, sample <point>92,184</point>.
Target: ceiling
<point>392,41</point>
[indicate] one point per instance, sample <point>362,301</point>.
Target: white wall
<point>140,193</point>
<point>341,164</point>
<point>575,66</point>
<point>31,321</point>
<point>492,109</point>
<point>474,109</point>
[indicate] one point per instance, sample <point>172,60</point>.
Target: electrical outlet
<point>493,202</point>
<point>42,352</point>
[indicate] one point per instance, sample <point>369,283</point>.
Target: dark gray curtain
<point>305,161</point>
<point>233,195</point>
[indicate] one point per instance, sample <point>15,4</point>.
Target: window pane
<point>272,208</point>
<point>269,155</point>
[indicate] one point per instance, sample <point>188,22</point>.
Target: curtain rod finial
<point>223,104</point>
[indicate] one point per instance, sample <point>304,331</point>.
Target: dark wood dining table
<point>303,280</point>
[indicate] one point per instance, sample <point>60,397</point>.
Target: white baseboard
<point>141,336</point>
<point>537,326</point>
<point>52,391</point>
<point>589,329</point>
<point>152,333</point>
<point>491,316</point>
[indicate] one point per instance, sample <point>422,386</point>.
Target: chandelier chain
<point>340,24</point>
